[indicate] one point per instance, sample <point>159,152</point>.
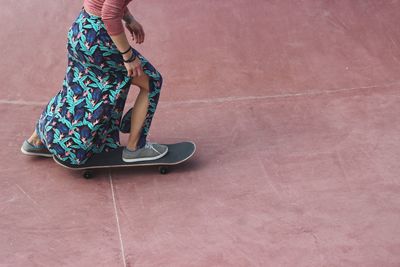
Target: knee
<point>149,83</point>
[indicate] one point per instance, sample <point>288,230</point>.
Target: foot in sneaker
<point>150,151</point>
<point>34,150</point>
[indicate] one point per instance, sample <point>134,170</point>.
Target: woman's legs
<point>139,111</point>
<point>145,105</point>
<point>139,114</point>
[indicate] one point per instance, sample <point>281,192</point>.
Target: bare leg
<point>139,110</point>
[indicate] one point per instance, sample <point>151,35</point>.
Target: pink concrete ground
<point>295,109</point>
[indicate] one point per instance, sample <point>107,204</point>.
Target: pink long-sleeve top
<point>110,11</point>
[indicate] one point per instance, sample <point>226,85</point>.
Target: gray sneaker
<point>150,151</point>
<point>32,150</point>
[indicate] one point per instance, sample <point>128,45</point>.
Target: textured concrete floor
<point>294,106</point>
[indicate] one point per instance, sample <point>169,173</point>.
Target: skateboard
<point>177,153</point>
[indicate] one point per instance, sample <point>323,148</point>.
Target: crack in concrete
<point>117,220</point>
<point>230,98</point>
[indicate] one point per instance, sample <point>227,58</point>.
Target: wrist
<point>128,18</point>
<point>127,55</point>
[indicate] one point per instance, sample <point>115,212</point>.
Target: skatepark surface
<point>293,105</point>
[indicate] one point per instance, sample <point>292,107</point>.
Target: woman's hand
<point>136,30</point>
<point>134,68</point>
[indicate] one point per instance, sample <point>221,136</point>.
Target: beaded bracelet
<point>131,59</point>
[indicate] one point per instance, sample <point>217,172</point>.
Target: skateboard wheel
<point>163,170</point>
<point>88,174</point>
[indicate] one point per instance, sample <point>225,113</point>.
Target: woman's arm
<point>111,14</point>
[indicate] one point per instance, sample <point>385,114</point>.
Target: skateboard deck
<point>177,153</point>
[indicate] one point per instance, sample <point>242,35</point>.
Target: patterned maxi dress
<point>85,117</point>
